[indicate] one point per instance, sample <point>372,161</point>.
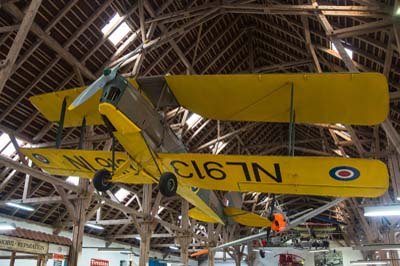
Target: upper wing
<point>84,164</point>
<point>320,176</point>
<point>348,98</point>
<point>50,104</point>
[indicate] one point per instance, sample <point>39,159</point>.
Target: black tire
<point>168,184</point>
<point>100,180</point>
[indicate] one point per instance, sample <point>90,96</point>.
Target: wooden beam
<point>336,41</point>
<point>277,67</point>
<point>307,9</point>
<point>39,200</point>
<point>68,205</point>
<point>392,134</point>
<point>49,41</point>
<point>396,30</point>
<point>363,28</point>
<point>26,24</point>
<point>5,29</point>
<point>309,44</point>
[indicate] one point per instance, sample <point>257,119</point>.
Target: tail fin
<point>246,218</point>
<point>233,200</point>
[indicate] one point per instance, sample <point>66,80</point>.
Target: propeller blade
<point>100,82</point>
<point>93,89</point>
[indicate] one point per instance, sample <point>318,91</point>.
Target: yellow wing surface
<point>50,104</point>
<point>240,216</point>
<point>246,218</point>
<point>356,98</point>
<point>85,163</point>
<point>320,176</point>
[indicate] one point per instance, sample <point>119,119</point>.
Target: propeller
<point>108,75</point>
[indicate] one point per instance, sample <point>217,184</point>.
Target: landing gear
<point>168,184</point>
<point>100,180</point>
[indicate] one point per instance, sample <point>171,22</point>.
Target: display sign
<point>23,245</point>
<point>58,256</point>
<point>96,262</point>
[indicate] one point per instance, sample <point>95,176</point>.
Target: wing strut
<point>61,123</point>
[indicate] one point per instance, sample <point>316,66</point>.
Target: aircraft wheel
<point>168,184</point>
<point>99,180</point>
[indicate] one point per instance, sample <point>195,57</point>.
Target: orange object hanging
<point>201,252</point>
<point>279,223</point>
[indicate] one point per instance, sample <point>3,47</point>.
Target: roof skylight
<point>6,146</point>
<point>122,194</point>
<point>120,32</point>
<point>348,51</point>
<point>193,118</point>
<point>73,180</point>
<point>218,147</point>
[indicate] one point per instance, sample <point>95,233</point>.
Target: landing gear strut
<point>168,184</point>
<point>100,180</point>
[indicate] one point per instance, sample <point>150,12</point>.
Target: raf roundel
<point>40,158</point>
<point>344,173</point>
<point>195,189</point>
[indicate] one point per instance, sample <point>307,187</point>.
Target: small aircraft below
<point>153,153</point>
<point>273,238</point>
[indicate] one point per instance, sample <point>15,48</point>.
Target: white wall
<point>87,253</point>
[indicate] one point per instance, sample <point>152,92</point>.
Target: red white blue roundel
<point>344,173</point>
<point>40,158</point>
<point>195,189</point>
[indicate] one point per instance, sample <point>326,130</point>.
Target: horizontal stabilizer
<point>50,105</point>
<point>348,98</point>
<point>197,214</point>
<point>247,218</point>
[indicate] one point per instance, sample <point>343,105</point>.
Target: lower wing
<point>320,176</point>
<point>85,163</point>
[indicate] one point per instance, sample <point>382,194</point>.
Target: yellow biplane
<point>153,154</point>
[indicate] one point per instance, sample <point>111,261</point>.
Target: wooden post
<point>12,259</point>
<point>81,206</point>
<point>185,236</point>
<point>145,227</point>
<point>211,244</point>
<point>78,228</point>
<point>251,256</point>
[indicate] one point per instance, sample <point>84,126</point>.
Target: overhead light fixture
<point>398,11</point>
<point>390,210</point>
<point>95,226</point>
<point>173,248</point>
<point>4,226</point>
<point>20,206</point>
<point>318,250</point>
<point>369,262</point>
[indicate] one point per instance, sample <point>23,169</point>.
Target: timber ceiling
<point>65,48</point>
